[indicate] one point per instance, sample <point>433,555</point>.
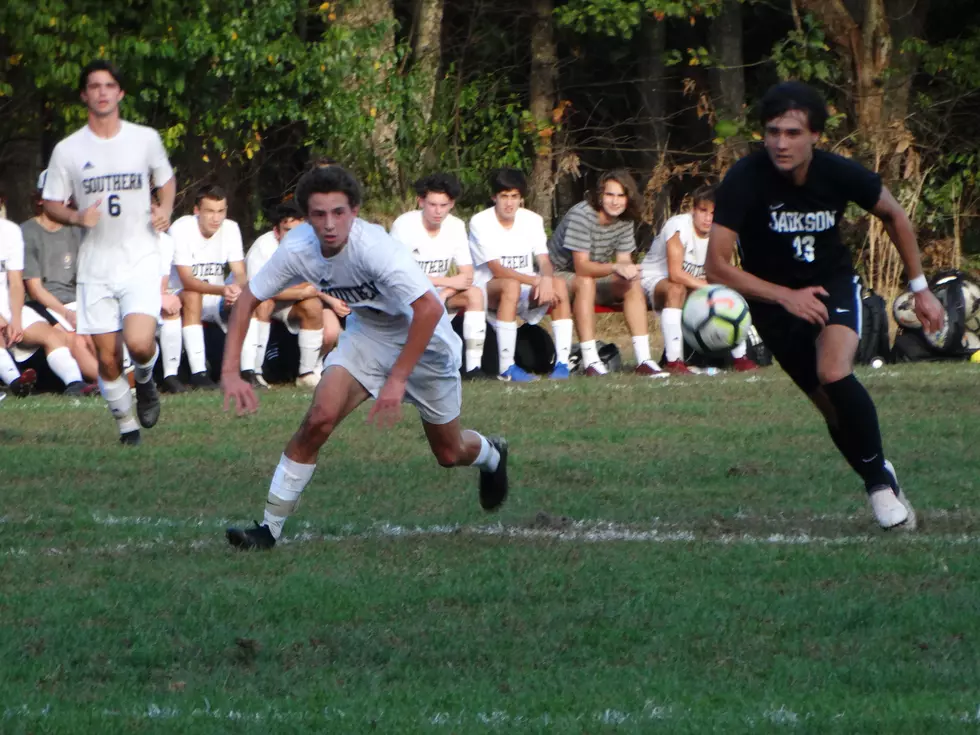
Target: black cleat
<point>24,385</point>
<point>147,404</point>
<point>476,374</point>
<point>76,389</point>
<point>246,539</point>
<point>172,384</point>
<point>130,438</point>
<point>493,485</point>
<point>201,381</point>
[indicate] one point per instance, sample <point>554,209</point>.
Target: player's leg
<point>561,327</point>
<point>668,298</point>
<point>192,310</point>
<point>613,290</point>
<point>503,295</point>
<point>55,343</point>
<point>331,332</point>
<point>139,336</point>
<point>263,328</point>
<point>583,294</point>
<point>337,395</point>
<point>171,347</point>
<point>308,314</point>
<point>20,384</point>
<point>471,300</point>
<point>80,346</point>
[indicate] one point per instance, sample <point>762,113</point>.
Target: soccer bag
<point>534,351</point>
<point>873,343</point>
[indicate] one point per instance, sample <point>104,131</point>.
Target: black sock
<point>857,435</point>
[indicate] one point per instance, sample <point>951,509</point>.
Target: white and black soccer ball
<point>971,341</point>
<point>971,305</point>
<point>903,309</point>
<point>715,319</point>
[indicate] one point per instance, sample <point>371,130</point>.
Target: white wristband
<point>919,283</point>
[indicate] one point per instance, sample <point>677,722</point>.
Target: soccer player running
<point>782,207</point>
<point>398,345</point>
<point>107,167</point>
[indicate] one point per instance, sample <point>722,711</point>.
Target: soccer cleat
<point>889,512</point>
<point>912,522</point>
<point>677,367</point>
<point>254,380</point>
<point>310,380</point>
<point>560,372</point>
<point>475,374</point>
<point>650,369</point>
<point>201,381</point>
<point>130,438</point>
<point>147,404</point>
<point>75,389</point>
<point>493,485</point>
<point>515,374</point>
<point>172,384</point>
<point>596,369</point>
<point>743,364</point>
<point>260,381</point>
<point>24,385</point>
<point>259,538</point>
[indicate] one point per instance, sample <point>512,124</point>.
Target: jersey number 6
<point>114,208</point>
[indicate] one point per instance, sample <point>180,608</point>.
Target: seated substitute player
<point>673,267</point>
<point>592,250</point>
<point>204,243</point>
<point>399,345</point>
<point>438,240</point>
<point>50,264</point>
<point>298,308</point>
<point>783,207</point>
<point>170,325</point>
<point>505,242</point>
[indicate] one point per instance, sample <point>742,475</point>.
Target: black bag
<point>534,351</point>
<point>873,343</point>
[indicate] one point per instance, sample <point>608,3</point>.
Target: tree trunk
<point>428,51</point>
<point>543,81</point>
<point>653,126</point>
<point>728,78</point>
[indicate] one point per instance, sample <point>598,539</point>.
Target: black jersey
<point>789,234</point>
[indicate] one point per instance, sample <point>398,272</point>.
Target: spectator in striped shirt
<point>592,250</point>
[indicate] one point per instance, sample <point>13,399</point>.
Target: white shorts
<point>28,318</point>
<point>102,307</point>
<point>434,387</point>
<point>61,320</point>
<point>649,283</point>
<point>281,315</point>
<point>211,307</point>
<point>530,314</point>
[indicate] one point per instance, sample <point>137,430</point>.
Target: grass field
<point>681,556</point>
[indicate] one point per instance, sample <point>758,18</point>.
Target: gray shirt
<point>579,230</point>
<point>52,257</point>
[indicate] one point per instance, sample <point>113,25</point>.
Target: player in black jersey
<point>782,208</point>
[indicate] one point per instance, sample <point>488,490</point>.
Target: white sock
<point>171,344</point>
<point>248,346</point>
<point>117,395</point>
<point>287,484</point>
<point>8,368</point>
<point>506,342</point>
<point>310,342</point>
<point>144,372</point>
<point>670,324</point>
<point>641,349</point>
<point>194,346</point>
<point>489,457</point>
<point>64,366</point>
<point>562,329</point>
<point>590,353</point>
<point>474,335</point>
<point>739,350</point>
<point>261,342</point>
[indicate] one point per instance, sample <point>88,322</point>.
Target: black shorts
<point>793,341</point>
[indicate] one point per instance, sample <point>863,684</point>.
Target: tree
<point>543,100</point>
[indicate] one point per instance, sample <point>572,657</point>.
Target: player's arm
<point>192,283</point>
<point>544,288</point>
<point>163,208</point>
<point>460,282</point>
<point>899,229</point>
<point>37,292</point>
<point>675,264</point>
<point>237,391</point>
<point>169,303</point>
<point>499,271</point>
<point>804,303</point>
<point>588,268</point>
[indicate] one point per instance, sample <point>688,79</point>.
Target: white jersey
<point>11,259</point>
<point>206,256</point>
<point>695,248</point>
<point>516,248</point>
<point>373,274</point>
<point>262,250</point>
<point>115,173</point>
<point>434,254</point>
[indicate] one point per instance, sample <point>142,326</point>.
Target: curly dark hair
<point>634,202</point>
<point>786,96</point>
<point>439,183</point>
<point>326,181</point>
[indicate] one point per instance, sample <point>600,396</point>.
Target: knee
<point>827,374</point>
<point>56,339</point>
<point>474,299</point>
<point>584,288</point>
<point>263,312</point>
<point>510,290</point>
<point>310,313</point>
<point>676,296</point>
<point>447,455</point>
<point>317,426</point>
<point>109,366</point>
<point>331,334</point>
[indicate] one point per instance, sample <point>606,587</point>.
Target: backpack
<point>873,342</point>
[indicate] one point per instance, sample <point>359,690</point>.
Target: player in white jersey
<point>506,241</point>
<point>170,324</point>
<point>399,345</point>
<point>298,308</point>
<point>107,167</point>
<point>673,267</point>
<point>438,241</point>
<point>204,243</point>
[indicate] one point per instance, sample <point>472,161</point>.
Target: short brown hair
<point>704,193</point>
<point>634,204</point>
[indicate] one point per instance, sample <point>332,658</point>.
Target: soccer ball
<point>715,319</point>
<point>971,303</point>
<point>904,311</point>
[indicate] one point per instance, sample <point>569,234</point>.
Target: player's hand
<point>170,304</point>
<point>239,394</point>
<point>340,308</point>
<point>929,311</point>
<point>309,291</point>
<point>544,291</point>
<point>461,281</point>
<point>14,332</point>
<point>160,218</point>
<point>806,303</point>
<point>89,218</point>
<point>71,318</point>
<point>387,409</point>
<point>627,271</point>
<point>231,293</point>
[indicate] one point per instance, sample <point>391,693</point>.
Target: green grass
<point>681,557</point>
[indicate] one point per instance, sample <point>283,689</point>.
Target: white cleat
<point>888,511</point>
<point>310,380</point>
<point>261,381</point>
<point>912,521</point>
